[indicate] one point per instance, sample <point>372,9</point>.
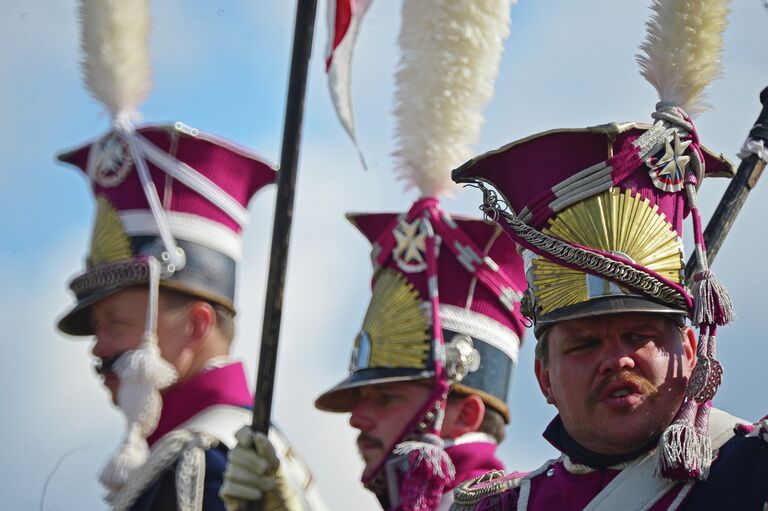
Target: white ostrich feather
<point>115,43</point>
<point>450,52</point>
<point>681,53</point>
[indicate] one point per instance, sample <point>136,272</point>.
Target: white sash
<point>637,488</point>
<point>219,421</point>
<point>223,421</point>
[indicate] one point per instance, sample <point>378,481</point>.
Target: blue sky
<point>222,66</point>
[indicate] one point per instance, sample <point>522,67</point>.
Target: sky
<point>222,66</point>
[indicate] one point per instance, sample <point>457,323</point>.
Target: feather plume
<point>450,52</point>
<point>115,42</point>
<point>681,53</point>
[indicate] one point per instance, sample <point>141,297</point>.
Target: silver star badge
<point>668,173</point>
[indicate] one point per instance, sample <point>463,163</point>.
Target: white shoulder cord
<point>126,130</point>
<point>194,180</point>
<point>141,151</point>
<point>187,447</point>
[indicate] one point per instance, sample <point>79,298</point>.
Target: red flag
<point>344,19</point>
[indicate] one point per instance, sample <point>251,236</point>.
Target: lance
<point>755,155</point>
<point>281,228</point>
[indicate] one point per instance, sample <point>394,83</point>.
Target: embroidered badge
<point>490,485</point>
<point>461,358</point>
<point>109,161</point>
<point>668,169</point>
<point>411,249</point>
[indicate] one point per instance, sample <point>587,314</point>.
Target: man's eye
<point>386,399</point>
<point>638,338</point>
<point>582,346</point>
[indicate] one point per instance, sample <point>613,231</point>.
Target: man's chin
<point>618,440</point>
<point>371,464</point>
<point>112,386</point>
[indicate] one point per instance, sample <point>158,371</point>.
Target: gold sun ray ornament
<point>616,222</point>
<point>395,330</point>
<point>109,243</point>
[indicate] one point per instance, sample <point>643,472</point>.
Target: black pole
<point>281,229</point>
<point>735,195</point>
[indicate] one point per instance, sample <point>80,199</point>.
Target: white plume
<point>115,41</point>
<point>682,50</point>
<point>450,52</point>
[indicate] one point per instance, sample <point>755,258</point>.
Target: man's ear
<point>542,375</point>
<point>201,320</point>
<point>468,415</point>
<point>689,348</point>
<point>465,415</point>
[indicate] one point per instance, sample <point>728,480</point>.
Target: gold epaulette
<point>487,487</point>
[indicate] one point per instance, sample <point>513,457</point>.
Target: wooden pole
<point>735,195</point>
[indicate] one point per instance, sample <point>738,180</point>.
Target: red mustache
<point>638,383</point>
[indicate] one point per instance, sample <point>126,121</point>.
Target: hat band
<point>185,226</point>
<point>481,327</point>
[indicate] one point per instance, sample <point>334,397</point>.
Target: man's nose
<point>101,347</point>
<point>360,418</point>
<point>616,356</point>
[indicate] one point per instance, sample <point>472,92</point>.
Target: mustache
<point>103,365</point>
<point>624,376</point>
<point>366,438</point>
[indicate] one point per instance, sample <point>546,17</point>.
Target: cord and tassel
<point>685,450</point>
<point>428,471</point>
<point>712,304</point>
<point>142,373</point>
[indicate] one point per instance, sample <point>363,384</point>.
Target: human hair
<point>493,424</point>
<point>225,318</point>
<point>541,351</point>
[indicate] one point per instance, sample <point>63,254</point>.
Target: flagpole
<point>281,230</point>
<point>747,175</point>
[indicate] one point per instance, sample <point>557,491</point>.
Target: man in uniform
<point>162,323</point>
<point>432,363</point>
<point>599,224</point>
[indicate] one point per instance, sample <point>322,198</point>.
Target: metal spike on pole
<point>735,195</point>
<point>281,229</point>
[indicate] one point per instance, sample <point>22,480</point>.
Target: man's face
<point>381,414</point>
<point>118,323</point>
<point>617,380</point>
